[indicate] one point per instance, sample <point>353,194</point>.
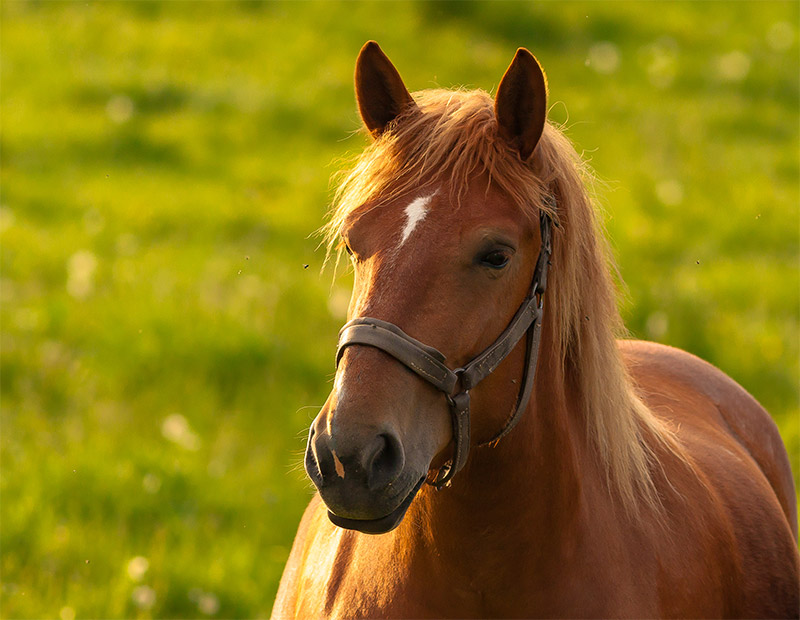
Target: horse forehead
<point>395,224</point>
<point>432,220</point>
<point>441,215</point>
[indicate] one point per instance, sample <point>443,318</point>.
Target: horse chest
<point>346,575</point>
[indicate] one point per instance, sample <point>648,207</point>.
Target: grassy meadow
<point>166,333</point>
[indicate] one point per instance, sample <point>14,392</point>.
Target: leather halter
<point>429,364</point>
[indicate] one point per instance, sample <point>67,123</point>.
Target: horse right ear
<point>380,91</point>
<point>521,103</point>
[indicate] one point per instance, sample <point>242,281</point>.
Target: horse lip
<point>381,525</point>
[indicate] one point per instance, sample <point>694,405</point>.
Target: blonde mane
<point>453,138</point>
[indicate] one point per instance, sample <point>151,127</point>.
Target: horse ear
<point>380,91</point>
<point>521,103</point>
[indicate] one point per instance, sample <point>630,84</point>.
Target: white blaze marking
<point>415,213</point>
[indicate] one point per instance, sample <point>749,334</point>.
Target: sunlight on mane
<point>452,139</point>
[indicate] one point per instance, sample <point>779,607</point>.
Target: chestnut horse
<point>638,481</point>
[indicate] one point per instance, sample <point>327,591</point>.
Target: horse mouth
<point>381,525</point>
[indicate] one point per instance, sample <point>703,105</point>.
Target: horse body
<point>640,481</point>
<point>509,543</point>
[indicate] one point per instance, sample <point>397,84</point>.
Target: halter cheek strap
<point>429,363</point>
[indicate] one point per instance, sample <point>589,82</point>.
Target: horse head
<point>440,220</point>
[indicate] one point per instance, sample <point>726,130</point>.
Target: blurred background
<point>166,334</point>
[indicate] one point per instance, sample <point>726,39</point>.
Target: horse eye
<point>496,259</point>
<point>347,249</point>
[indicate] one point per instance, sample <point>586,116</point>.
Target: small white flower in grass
<point>660,60</point>
<point>137,567</point>
<point>81,268</point>
<point>734,66</point>
<point>127,244</point>
<point>670,192</point>
<point>67,613</point>
<point>93,221</point>
<point>208,604</point>
<point>217,468</point>
<point>176,429</point>
<point>61,534</point>
<point>28,319</point>
<point>151,483</point>
<point>144,597</point>
<point>119,109</point>
<point>6,218</point>
<point>604,57</point>
<point>780,36</point>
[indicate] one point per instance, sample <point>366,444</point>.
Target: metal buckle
<point>441,474</point>
<point>459,386</point>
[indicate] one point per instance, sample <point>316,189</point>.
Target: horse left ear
<point>380,91</point>
<point>521,103</point>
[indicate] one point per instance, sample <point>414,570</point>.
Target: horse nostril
<point>318,462</point>
<point>386,461</point>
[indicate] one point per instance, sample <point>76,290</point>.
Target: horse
<point>489,447</point>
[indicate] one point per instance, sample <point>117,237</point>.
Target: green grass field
<point>164,346</point>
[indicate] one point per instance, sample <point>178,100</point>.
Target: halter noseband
<point>429,364</point>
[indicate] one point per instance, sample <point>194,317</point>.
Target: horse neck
<point>488,508</point>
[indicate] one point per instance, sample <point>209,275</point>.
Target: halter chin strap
<point>429,363</point>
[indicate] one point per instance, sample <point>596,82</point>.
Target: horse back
<point>660,370</point>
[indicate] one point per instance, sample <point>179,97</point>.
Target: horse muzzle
<point>363,478</point>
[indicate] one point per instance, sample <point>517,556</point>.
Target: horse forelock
<point>449,139</point>
<point>452,138</point>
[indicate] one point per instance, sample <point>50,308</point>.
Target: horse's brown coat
<point>535,527</point>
